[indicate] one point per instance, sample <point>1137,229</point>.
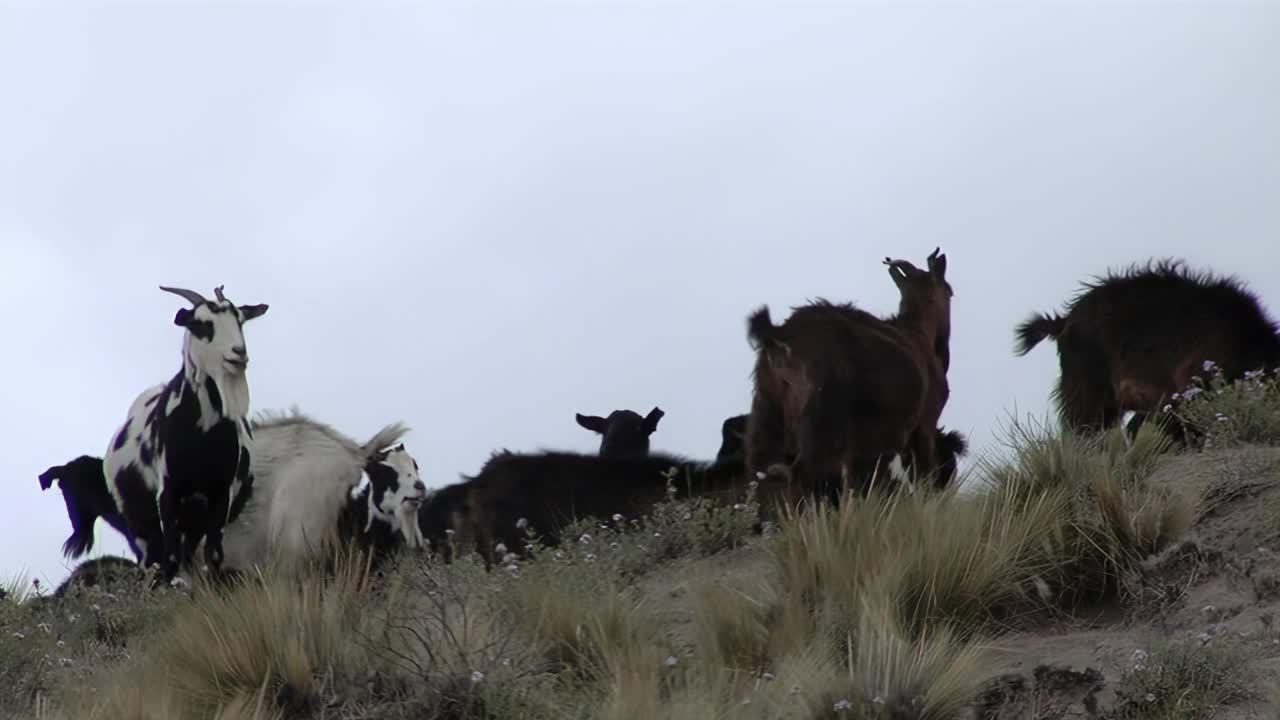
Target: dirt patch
<point>1221,583</point>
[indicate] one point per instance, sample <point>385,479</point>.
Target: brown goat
<point>836,387</point>
<point>1130,340</point>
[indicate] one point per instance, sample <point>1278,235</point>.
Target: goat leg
<point>171,538</point>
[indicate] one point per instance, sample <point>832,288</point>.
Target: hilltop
<point>1085,577</point>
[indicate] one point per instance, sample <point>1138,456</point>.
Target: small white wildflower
<point>1209,365</point>
<point>759,475</point>
<point>61,643</point>
<point>842,705</point>
<point>509,558</point>
<point>877,700</point>
<point>688,516</point>
<point>585,539</point>
<point>522,523</point>
<point>448,531</point>
<point>591,557</point>
<point>506,662</point>
<point>1208,609</point>
<point>657,534</point>
<point>73,617</point>
<point>1191,392</point>
<point>1167,408</point>
<point>95,607</point>
<point>65,662</point>
<point>767,676</point>
<point>559,555</point>
<point>1150,697</point>
<point>500,548</point>
<point>613,544</point>
<point>1204,638</point>
<point>20,636</point>
<point>476,676</point>
<point>795,689</point>
<point>514,570</point>
<point>746,701</point>
<point>739,506</point>
<point>617,517</point>
<point>671,661</point>
<point>46,627</point>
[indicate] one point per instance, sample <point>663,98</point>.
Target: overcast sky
<point>483,219</point>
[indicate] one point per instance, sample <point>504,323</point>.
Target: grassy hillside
<point>1084,578</point>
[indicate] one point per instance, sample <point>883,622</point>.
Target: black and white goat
<point>178,469</point>
<point>84,490</point>
<point>311,481</point>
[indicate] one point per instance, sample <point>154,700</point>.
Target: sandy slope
<point>1223,579</point>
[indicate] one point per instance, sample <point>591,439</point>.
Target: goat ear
<point>594,423</point>
<point>183,318</point>
<point>252,311</point>
<point>651,420</point>
<point>938,266</point>
<point>48,476</point>
<point>898,276</point>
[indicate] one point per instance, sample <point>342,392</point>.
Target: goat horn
<point>191,296</point>
<point>218,293</point>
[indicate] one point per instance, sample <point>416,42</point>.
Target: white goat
<point>311,480</point>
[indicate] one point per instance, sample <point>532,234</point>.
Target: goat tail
<point>954,442</point>
<point>383,439</point>
<point>1037,328</point>
<point>760,328</point>
<point>80,542</point>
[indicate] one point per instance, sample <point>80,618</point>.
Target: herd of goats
<point>839,394</point>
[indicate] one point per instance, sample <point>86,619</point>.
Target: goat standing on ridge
<point>313,484</point>
<point>836,387</point>
<point>1130,340</point>
<point>624,433</point>
<point>84,491</point>
<point>178,469</point>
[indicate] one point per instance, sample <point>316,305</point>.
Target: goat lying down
<point>312,482</point>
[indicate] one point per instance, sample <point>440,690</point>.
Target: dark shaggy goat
<point>547,490</point>
<point>104,570</point>
<point>624,433</point>
<point>1130,340</point>
<point>733,432</point>
<point>950,445</point>
<point>836,387</point>
<point>84,491</point>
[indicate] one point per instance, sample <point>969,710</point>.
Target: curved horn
<point>934,255</point>
<point>191,296</point>
<point>218,293</point>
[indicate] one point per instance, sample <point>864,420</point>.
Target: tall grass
<point>875,609</point>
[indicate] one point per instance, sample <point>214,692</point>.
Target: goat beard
<point>234,388</point>
<point>407,515</point>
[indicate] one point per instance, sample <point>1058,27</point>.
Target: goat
<point>1130,340</point>
<point>836,387</point>
<point>102,570</point>
<point>732,432</point>
<point>84,491</point>
<point>624,433</point>
<point>546,490</point>
<point>313,484</point>
<point>178,469</point>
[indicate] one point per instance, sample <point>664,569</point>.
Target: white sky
<point>484,219</point>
